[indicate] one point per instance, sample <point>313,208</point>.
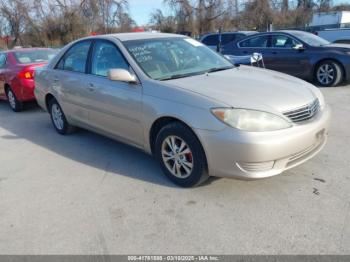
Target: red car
<point>17,74</point>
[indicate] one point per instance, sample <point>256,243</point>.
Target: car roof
<point>141,36</point>
<point>235,32</point>
<point>132,36</point>
<point>288,32</point>
<point>291,32</point>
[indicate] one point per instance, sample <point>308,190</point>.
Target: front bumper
<point>254,155</point>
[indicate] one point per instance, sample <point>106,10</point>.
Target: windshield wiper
<point>216,69</point>
<point>176,76</point>
<point>211,70</point>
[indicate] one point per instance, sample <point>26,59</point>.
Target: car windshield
<point>34,56</point>
<point>170,58</point>
<point>311,39</point>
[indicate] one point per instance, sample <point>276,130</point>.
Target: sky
<point>140,9</point>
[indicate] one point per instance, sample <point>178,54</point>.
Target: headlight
<point>250,120</point>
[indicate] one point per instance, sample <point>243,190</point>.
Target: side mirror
<point>299,47</point>
<point>122,75</point>
<point>256,57</point>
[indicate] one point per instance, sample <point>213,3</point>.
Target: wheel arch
<point>6,87</point>
<point>329,59</point>
<point>162,121</point>
<point>48,98</point>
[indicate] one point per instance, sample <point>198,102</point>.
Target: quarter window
<point>105,57</point>
<point>257,42</point>
<point>75,59</point>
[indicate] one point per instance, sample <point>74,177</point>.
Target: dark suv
<point>212,40</point>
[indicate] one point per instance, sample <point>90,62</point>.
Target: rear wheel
<point>58,118</point>
<point>181,155</point>
<point>14,103</point>
<point>328,74</point>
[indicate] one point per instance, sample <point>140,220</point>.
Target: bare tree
<point>324,5</point>
<point>14,13</point>
<point>57,22</point>
<point>341,7</point>
<point>163,23</point>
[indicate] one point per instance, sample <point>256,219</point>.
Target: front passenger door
<point>115,107</point>
<point>284,58</point>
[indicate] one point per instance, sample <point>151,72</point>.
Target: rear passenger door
<point>115,106</point>
<point>211,41</point>
<point>229,43</point>
<point>69,82</point>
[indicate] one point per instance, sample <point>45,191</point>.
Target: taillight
<point>26,74</point>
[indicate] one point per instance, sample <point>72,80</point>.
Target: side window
<point>258,41</point>
<point>240,36</point>
<point>282,41</point>
<point>106,56</point>
<point>227,38</point>
<point>2,60</point>
<point>211,40</point>
<point>75,59</point>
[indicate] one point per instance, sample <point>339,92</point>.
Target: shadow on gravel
<point>110,156</point>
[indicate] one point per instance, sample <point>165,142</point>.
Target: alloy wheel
<point>177,157</point>
<point>57,116</point>
<point>326,74</point>
<point>11,98</point>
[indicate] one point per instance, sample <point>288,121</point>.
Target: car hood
<point>250,87</point>
<point>338,46</point>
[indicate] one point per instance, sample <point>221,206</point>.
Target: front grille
<point>303,113</point>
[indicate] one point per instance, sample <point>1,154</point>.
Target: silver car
<point>198,114</point>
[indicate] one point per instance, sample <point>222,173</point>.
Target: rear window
<point>34,56</point>
<point>225,39</point>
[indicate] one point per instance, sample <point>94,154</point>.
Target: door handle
<point>55,79</point>
<point>274,52</point>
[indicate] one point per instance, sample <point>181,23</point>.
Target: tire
<point>14,103</point>
<point>186,169</point>
<point>328,74</point>
<point>58,118</point>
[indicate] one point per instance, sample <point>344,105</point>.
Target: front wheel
<point>328,74</point>
<point>181,155</point>
<point>14,103</point>
<point>58,118</point>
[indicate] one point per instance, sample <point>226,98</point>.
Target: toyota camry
<point>178,100</point>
